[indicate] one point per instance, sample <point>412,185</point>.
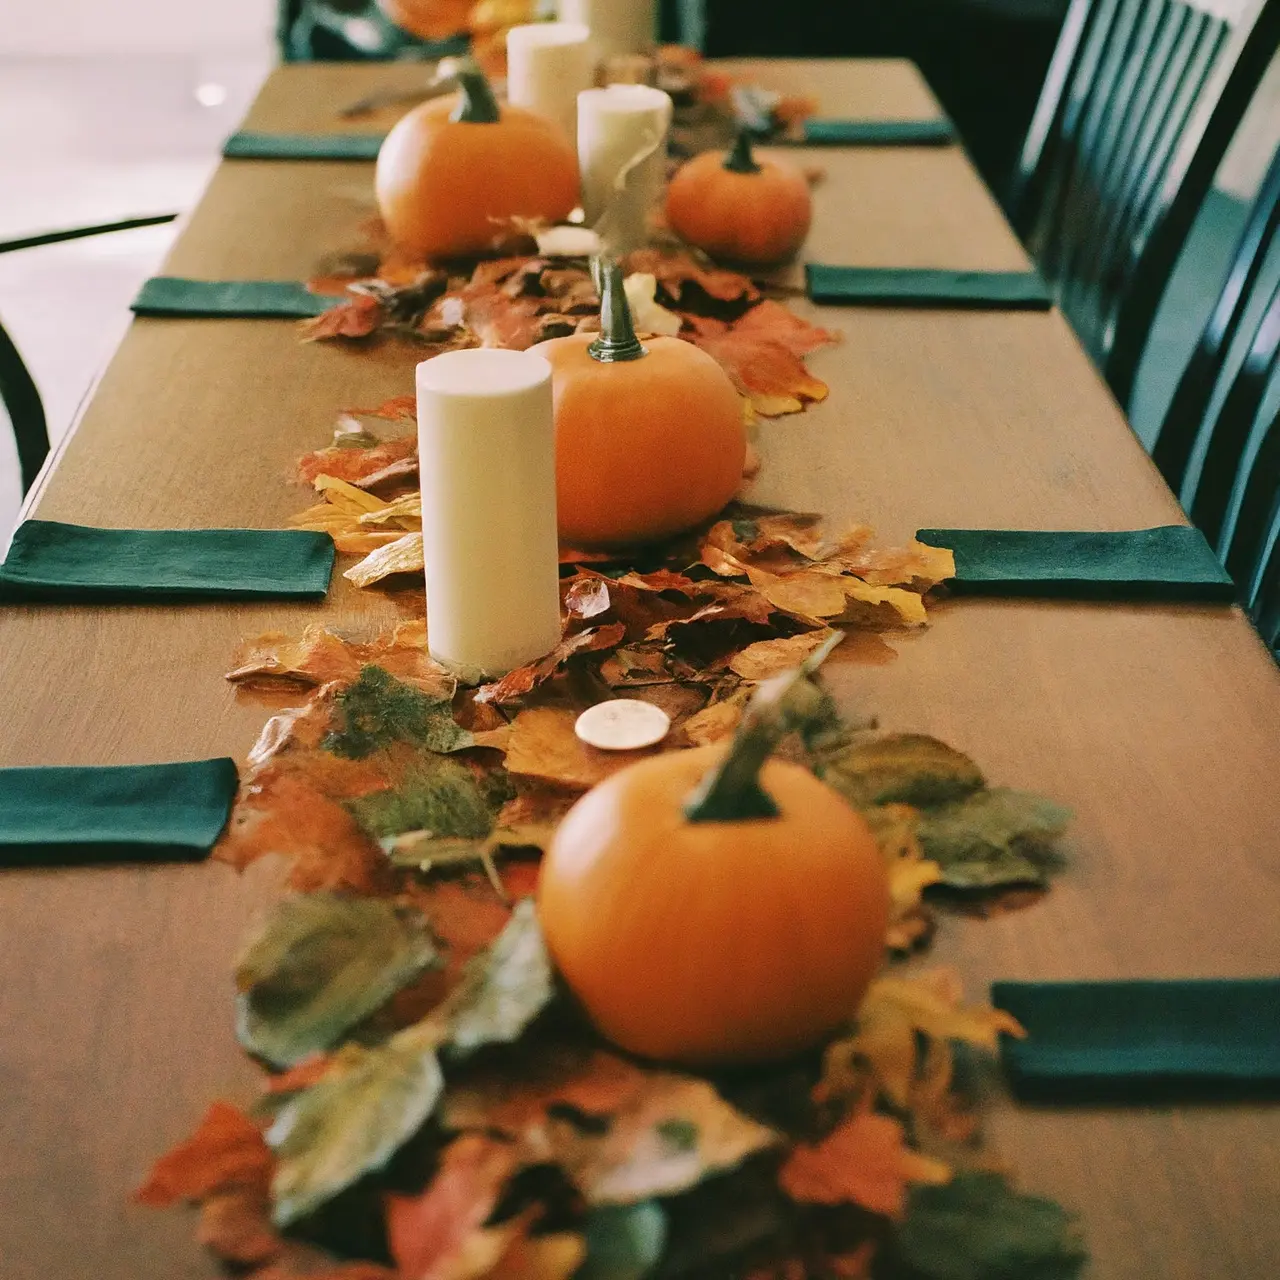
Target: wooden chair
<point>1140,104</point>
<point>1214,415</point>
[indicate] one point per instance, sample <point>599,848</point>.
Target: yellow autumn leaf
<point>346,496</point>
<point>404,555</point>
<point>407,510</point>
<point>867,603</point>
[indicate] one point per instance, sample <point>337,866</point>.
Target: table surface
<point>1158,725</point>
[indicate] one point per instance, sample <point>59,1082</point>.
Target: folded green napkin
<point>1173,562</point>
<point>131,813</point>
<point>70,563</point>
<point>1090,1040</point>
<point>247,145</point>
<point>246,299</point>
<point>927,287</point>
<point>880,133</point>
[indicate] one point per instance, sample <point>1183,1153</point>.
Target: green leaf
<point>624,1242</point>
<point>437,795</point>
<point>320,964</point>
<point>378,710</point>
<point>899,768</point>
<point>977,1227</point>
<point>994,838</point>
<point>352,1122</point>
<point>502,990</point>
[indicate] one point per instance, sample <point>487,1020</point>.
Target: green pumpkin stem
<point>617,340</point>
<point>791,703</point>
<point>476,101</point>
<point>741,159</point>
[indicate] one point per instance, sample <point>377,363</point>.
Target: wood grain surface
<point>1160,726</point>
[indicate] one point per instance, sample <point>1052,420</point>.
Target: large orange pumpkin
<point>650,438</point>
<point>733,207</point>
<point>714,942</point>
<point>455,172</point>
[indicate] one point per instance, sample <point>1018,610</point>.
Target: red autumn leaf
<point>354,465</point>
<point>522,680</point>
<point>865,1161</point>
<point>770,319</point>
<point>768,372</point>
<point>226,1151</point>
<point>428,1233</point>
<point>308,1072</point>
<point>358,317</point>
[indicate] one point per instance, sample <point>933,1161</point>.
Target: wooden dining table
<point>1159,725</point>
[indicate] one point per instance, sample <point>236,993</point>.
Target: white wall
<point>42,27</point>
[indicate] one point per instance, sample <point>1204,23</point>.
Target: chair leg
<point>21,399</point>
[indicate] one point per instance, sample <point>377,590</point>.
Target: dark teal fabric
<point>70,563</point>
<point>244,299</point>
<point>927,287</point>
<point>1173,562</point>
<point>1093,1039</point>
<point>879,133</point>
<point>247,145</point>
<point>66,815</point>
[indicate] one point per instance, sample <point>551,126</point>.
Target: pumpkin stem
<point>476,102</point>
<point>617,340</point>
<point>741,159</point>
<point>790,703</point>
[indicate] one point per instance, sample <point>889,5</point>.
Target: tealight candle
<point>617,26</point>
<point>622,153</point>
<point>548,65</point>
<point>486,452</point>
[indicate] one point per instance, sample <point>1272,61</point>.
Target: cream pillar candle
<point>617,26</point>
<point>486,451</point>
<point>548,65</point>
<point>622,153</point>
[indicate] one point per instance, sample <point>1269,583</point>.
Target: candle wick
<point>617,341</point>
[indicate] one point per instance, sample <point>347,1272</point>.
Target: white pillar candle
<point>486,452</point>
<point>622,152</point>
<point>617,26</point>
<point>548,65</point>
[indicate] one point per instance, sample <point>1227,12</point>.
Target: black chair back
<point>1141,102</point>
<point>21,401</point>
<point>1214,414</point>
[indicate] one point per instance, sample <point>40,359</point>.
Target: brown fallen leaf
<point>317,657</point>
<point>515,684</point>
<point>236,1226</point>
<point>767,658</point>
<point>676,271</point>
<point>357,317</point>
<point>713,724</point>
<point>543,745</point>
<point>354,465</point>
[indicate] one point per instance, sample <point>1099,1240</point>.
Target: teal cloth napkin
<point>131,813</point>
<point>879,133</point>
<point>927,287</point>
<point>1089,1040</point>
<point>245,299</point>
<point>1173,562</point>
<point>70,563</point>
<point>247,145</point>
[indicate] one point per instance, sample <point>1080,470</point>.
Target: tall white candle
<point>622,152</point>
<point>617,26</point>
<point>548,65</point>
<point>486,451</point>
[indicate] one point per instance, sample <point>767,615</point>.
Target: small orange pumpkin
<point>730,206</point>
<point>738,923</point>
<point>429,19</point>
<point>454,172</point>
<point>650,438</point>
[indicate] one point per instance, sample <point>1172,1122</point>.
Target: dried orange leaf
<point>236,1226</point>
<point>865,1161</point>
<point>226,1151</point>
<point>358,317</point>
<point>515,684</point>
<point>355,464</point>
<point>674,271</point>
<point>543,745</point>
